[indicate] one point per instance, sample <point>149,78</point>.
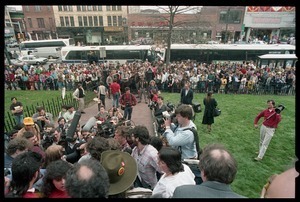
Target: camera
<point>279,109</point>
<point>152,105</point>
<point>105,129</point>
<point>171,106</point>
<point>48,139</point>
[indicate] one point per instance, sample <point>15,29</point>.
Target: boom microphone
<point>89,124</point>
<point>73,126</point>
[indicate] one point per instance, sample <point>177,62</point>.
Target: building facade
<point>270,23</point>
<point>39,21</point>
<point>91,24</point>
<point>113,24</point>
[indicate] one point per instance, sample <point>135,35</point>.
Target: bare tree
<point>172,11</point>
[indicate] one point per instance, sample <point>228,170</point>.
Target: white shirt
<point>166,185</point>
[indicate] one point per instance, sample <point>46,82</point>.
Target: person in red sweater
<point>115,90</point>
<point>54,179</point>
<point>127,100</point>
<point>271,119</point>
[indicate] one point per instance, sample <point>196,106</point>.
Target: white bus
<point>277,60</point>
<point>214,53</point>
<point>45,48</point>
<point>114,54</point>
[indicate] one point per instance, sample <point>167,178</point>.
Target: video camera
<point>152,105</point>
<point>105,129</point>
<point>279,109</point>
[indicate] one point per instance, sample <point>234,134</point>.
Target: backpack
<point>196,139</point>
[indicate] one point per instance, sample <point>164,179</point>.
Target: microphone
<point>73,126</point>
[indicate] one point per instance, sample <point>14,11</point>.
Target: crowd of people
<point>58,158</point>
<point>227,77</point>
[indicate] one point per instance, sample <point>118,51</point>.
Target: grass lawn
<point>234,128</point>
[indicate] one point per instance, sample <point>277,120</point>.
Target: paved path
<point>141,114</point>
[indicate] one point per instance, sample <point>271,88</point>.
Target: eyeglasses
<point>267,185</point>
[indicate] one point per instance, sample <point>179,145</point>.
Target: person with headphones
<point>271,119</point>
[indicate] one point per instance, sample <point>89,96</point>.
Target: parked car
<point>13,45</point>
<point>33,60</point>
<point>15,62</point>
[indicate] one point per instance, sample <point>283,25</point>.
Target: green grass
<point>29,98</point>
<point>234,128</point>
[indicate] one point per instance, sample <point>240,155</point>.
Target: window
<point>70,8</point>
<point>107,8</point>
<point>99,8</point>
<point>114,8</point>
<point>89,8</point>
<point>27,8</point>
<point>78,8</point>
<point>83,8</point>
<point>108,20</point>
<point>41,23</point>
<point>80,21</point>
<point>62,22</point>
<point>95,21</point>
<point>59,8</point>
<point>120,21</point>
<point>48,8</point>
<point>37,8</point>
<point>230,17</point>
<point>90,21</point>
<point>67,21</point>
<point>101,21</point>
<point>72,21</point>
<point>29,22</point>
<point>119,8</point>
<point>114,20</point>
<point>65,8</point>
<point>85,22</point>
<point>94,8</point>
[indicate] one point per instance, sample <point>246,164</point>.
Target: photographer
<point>179,137</point>
<point>159,107</point>
<point>128,100</point>
<point>271,119</point>
<point>43,118</point>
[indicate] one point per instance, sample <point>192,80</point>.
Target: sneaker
<point>257,159</point>
<point>139,101</point>
<point>257,152</point>
<point>146,102</point>
<point>82,112</point>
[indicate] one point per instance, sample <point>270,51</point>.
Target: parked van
<point>47,52</point>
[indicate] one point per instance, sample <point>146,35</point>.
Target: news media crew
<point>272,118</point>
<point>180,137</point>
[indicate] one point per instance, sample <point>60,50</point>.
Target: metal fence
<point>51,105</point>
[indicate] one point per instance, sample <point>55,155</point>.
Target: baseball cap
<point>28,121</point>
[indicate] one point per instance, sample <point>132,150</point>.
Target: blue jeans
<point>19,119</point>
<point>127,112</point>
<point>116,97</point>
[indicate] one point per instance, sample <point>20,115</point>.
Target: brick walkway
<point>141,114</point>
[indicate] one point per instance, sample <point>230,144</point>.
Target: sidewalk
<point>141,114</point>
